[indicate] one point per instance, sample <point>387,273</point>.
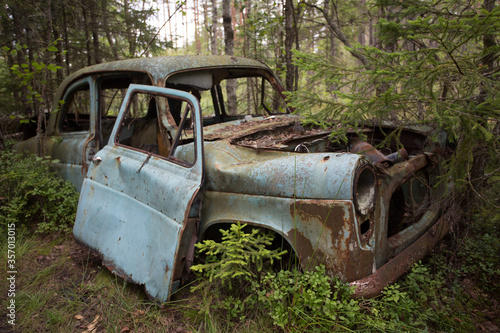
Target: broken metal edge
<point>390,272</point>
<point>109,265</point>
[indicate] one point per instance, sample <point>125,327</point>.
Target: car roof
<point>160,67</point>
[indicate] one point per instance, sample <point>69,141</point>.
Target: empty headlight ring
<point>364,188</point>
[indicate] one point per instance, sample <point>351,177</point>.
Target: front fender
<point>320,231</point>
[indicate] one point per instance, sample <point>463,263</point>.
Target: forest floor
<point>61,286</point>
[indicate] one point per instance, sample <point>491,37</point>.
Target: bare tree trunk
<point>373,38</point>
<point>169,22</point>
<point>246,51</point>
<point>59,54</point>
<point>95,33</point>
<point>362,32</point>
<point>488,40</point>
<point>42,89</point>
<point>229,50</point>
<point>87,36</point>
<point>66,41</point>
<point>186,38</point>
<point>213,31</point>
<point>197,27</point>
<point>128,28</point>
<point>334,27</point>
<point>246,40</point>
<point>233,22</point>
<point>289,39</point>
<point>297,14</point>
<point>207,30</point>
<point>109,36</point>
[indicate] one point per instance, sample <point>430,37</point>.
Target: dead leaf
<point>78,317</point>
<point>125,329</point>
<point>92,327</point>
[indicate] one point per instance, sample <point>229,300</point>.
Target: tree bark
<point>213,29</point>
<point>128,29</point>
<point>109,35</point>
<point>488,40</point>
<point>289,40</point>
<point>66,41</point>
<point>246,51</point>
<point>95,32</point>
<point>87,36</point>
<point>229,50</point>
<point>197,27</point>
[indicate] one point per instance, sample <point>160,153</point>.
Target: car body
<point>163,160</point>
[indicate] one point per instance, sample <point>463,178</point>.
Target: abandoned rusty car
<point>162,159</point>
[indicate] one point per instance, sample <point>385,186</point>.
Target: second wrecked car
<point>164,160</point>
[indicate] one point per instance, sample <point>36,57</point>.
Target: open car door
<point>139,205</point>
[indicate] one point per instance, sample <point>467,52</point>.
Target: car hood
<point>236,169</point>
<point>258,157</point>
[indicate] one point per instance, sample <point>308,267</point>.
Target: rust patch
<point>244,129</point>
<point>308,256</point>
<point>364,148</point>
<point>327,215</point>
<point>326,234</point>
<point>117,271</point>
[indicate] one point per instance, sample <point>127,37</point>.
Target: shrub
<point>31,196</point>
<point>240,256</point>
<point>309,299</point>
<point>478,253</point>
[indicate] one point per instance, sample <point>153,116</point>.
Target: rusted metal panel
<point>284,174</point>
<point>68,148</point>
<point>327,233</point>
<point>320,231</point>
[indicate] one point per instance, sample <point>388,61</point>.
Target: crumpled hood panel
<point>229,168</point>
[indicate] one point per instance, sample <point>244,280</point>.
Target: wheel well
<point>288,260</point>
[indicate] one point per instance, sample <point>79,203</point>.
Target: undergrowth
<point>33,197</point>
<point>428,298</point>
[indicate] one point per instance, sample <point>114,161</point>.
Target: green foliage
<point>32,71</point>
<point>478,252</point>
<point>38,40</point>
<point>239,256</point>
<point>410,303</point>
<point>431,67</point>
<point>7,86</point>
<point>34,197</point>
<point>307,300</point>
<point>312,301</point>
